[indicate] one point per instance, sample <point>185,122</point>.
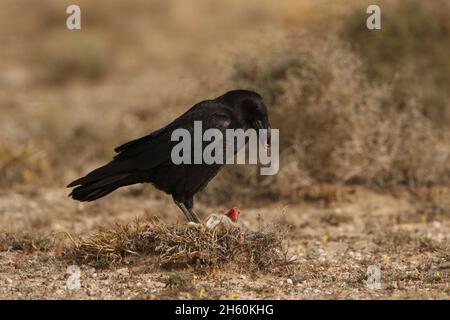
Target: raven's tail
<point>100,182</point>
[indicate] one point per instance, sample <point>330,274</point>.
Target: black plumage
<point>148,159</point>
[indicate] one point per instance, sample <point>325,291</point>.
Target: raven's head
<point>250,110</point>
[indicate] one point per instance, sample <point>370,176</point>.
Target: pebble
<point>123,271</point>
<point>158,284</point>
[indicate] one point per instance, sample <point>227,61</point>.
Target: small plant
<point>175,246</point>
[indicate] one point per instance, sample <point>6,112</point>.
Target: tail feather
<point>100,182</point>
<point>98,189</point>
<point>111,169</point>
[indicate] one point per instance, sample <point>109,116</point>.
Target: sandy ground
<point>333,244</point>
<point>67,98</point>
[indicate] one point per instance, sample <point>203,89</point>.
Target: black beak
<point>263,124</point>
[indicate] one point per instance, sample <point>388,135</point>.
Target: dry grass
<point>412,47</point>
<point>334,243</point>
<point>63,57</point>
<point>28,242</point>
<point>178,246</point>
<point>394,241</point>
<point>338,126</point>
<point>21,164</point>
<point>355,108</point>
<point>339,122</point>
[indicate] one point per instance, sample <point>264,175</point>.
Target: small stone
<point>158,284</point>
<point>289,281</point>
<point>123,271</point>
<point>8,281</point>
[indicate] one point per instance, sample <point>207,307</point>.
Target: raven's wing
<point>177,122</point>
<point>155,148</point>
<point>138,156</point>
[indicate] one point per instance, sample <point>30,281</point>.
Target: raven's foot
<point>188,213</point>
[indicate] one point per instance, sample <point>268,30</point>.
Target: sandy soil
<point>67,98</point>
<point>333,244</point>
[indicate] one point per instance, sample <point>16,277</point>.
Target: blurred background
<point>370,107</point>
<point>364,119</point>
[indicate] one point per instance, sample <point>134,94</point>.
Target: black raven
<point>148,159</point>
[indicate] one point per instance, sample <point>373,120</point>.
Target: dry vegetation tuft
<point>414,42</point>
<point>21,164</point>
<point>336,125</point>
<point>27,242</point>
<point>182,245</point>
<point>402,240</point>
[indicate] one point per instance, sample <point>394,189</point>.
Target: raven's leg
<point>189,205</point>
<point>190,215</point>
